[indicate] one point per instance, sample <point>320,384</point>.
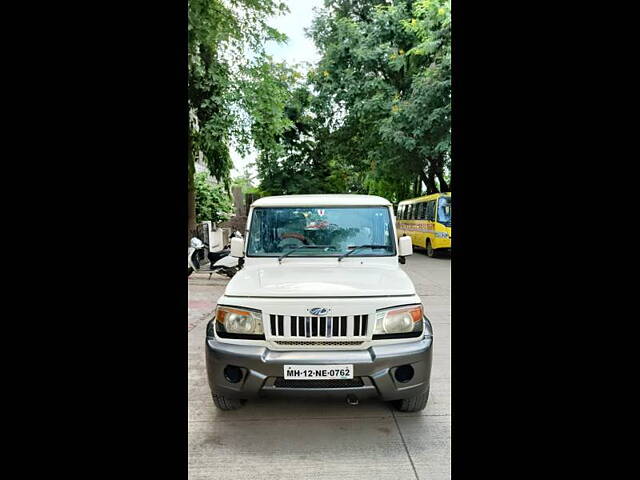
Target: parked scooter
<point>220,262</point>
<point>193,262</point>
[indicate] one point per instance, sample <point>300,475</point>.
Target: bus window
<point>422,210</point>
<point>444,211</point>
<point>430,210</point>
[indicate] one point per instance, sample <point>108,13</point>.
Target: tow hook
<point>352,400</point>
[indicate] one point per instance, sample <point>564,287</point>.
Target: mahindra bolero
<point>320,307</point>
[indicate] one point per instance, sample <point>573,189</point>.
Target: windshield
<point>337,230</point>
<point>444,211</point>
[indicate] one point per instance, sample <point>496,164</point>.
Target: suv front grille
<point>282,383</point>
<point>323,327</point>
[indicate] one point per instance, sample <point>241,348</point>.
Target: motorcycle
<point>220,262</point>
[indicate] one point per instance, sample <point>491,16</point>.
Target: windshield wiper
<point>300,247</point>
<point>358,247</point>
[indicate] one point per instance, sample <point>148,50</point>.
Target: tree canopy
<point>373,116</point>
<point>229,81</point>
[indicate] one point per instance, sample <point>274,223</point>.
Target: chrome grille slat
<point>287,326</point>
<point>349,325</point>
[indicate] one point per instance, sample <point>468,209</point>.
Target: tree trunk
<point>423,178</point>
<point>444,186</point>
<point>429,180</point>
<point>431,186</point>
<point>438,168</point>
<point>191,205</point>
<point>416,187</point>
<point>191,196</point>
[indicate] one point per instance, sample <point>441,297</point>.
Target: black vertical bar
<point>301,326</point>
<point>356,325</point>
<point>343,326</point>
<point>294,324</point>
<point>323,326</point>
<point>336,324</point>
<point>314,326</point>
<point>364,324</point>
<point>280,324</point>
<point>273,324</point>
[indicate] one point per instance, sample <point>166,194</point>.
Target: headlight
<point>442,235</point>
<point>399,322</point>
<point>238,322</point>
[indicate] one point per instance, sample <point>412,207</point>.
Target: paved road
<point>287,439</point>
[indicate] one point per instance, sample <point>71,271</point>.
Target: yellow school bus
<point>427,220</point>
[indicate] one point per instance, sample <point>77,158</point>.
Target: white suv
<point>320,307</point>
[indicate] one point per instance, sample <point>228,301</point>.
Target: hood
<point>313,280</point>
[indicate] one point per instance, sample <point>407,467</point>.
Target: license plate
<point>313,372</point>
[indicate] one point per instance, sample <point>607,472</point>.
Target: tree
<point>219,36</point>
<point>212,201</point>
<point>245,181</point>
<point>295,164</point>
<point>383,88</point>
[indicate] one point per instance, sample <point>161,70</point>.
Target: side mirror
<point>405,247</point>
<point>237,247</point>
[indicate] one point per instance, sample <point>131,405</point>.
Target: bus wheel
<point>430,251</point>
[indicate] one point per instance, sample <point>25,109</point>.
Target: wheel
<point>224,403</point>
<point>413,404</point>
<point>430,251</point>
<point>189,271</point>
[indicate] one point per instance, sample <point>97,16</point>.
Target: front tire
<point>225,403</point>
<point>413,404</point>
<point>430,250</point>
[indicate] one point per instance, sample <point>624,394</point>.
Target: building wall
<point>202,167</point>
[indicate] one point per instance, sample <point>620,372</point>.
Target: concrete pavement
<point>294,439</point>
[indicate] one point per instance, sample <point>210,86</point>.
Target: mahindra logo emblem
<point>319,311</point>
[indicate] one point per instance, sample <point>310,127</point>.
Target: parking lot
<point>294,439</point>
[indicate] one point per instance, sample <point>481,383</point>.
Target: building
<point>201,167</point>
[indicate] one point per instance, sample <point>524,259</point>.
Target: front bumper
<point>441,243</point>
<point>375,365</point>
